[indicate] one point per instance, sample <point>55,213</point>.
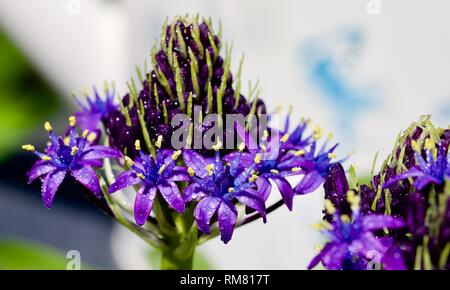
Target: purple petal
<point>50,185</point>
<point>39,169</point>
<point>87,177</point>
<point>285,189</point>
<point>368,245</point>
<point>196,162</point>
<point>125,179</point>
<point>309,183</point>
<point>318,258</point>
<point>246,137</point>
<point>204,211</point>
<point>376,222</point>
<point>334,257</point>
<point>171,194</point>
<point>263,188</point>
<point>193,192</point>
<point>179,174</point>
<point>423,181</point>
<point>143,204</point>
<point>227,216</point>
<point>252,202</point>
<point>413,172</point>
<point>101,152</point>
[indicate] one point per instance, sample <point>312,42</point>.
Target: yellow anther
<point>92,136</point>
<point>48,127</point>
<point>265,135</point>
<point>66,140</point>
<point>330,136</point>
<point>253,178</point>
<point>218,146</point>
<point>230,189</point>
<point>210,169</point>
<point>162,168</point>
<point>128,161</point>
<point>158,142</point>
<point>274,171</point>
<point>137,145</point>
<point>72,121</point>
<point>191,171</point>
<point>28,147</point>
<point>85,133</point>
<point>300,152</point>
<point>331,155</point>
<point>415,145</point>
<point>241,147</point>
<point>345,218</point>
<point>329,207</point>
<point>74,150</point>
<point>46,158</point>
<point>140,175</point>
<point>257,158</point>
<point>285,138</point>
<point>318,132</point>
<point>322,226</point>
<point>429,144</point>
<point>296,169</point>
<point>353,199</point>
<point>176,154</point>
<point>264,148</point>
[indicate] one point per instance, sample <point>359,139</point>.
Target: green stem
<point>170,261</point>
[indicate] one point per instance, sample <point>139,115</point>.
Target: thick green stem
<point>171,261</point>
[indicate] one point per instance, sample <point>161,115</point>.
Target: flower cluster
<point>179,191</point>
<point>413,185</point>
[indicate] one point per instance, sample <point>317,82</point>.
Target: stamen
<point>129,161</point>
<point>241,147</point>
<point>331,155</point>
<point>72,121</point>
<point>91,137</point>
<point>345,218</point>
<point>253,178</point>
<point>162,168</point>
<point>210,169</point>
<point>158,142</point>
<point>257,158</point>
<point>85,133</point>
<point>74,150</point>
<point>299,153</point>
<point>296,169</point>
<point>48,127</point>
<point>265,135</point>
<point>137,145</point>
<point>140,175</point>
<point>285,138</point>
<point>218,146</point>
<point>46,158</point>
<point>231,189</point>
<point>66,140</point>
<point>318,133</point>
<point>191,171</point>
<point>264,148</point>
<point>274,171</point>
<point>329,207</point>
<point>29,148</point>
<point>429,144</point>
<point>176,154</point>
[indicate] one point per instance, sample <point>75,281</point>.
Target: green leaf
<point>22,255</point>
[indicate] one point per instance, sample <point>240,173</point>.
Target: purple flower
<point>352,242</point>
<point>154,174</point>
<point>315,167</point>
<point>70,153</point>
<point>268,159</point>
<point>96,109</point>
<point>216,186</point>
<point>430,171</point>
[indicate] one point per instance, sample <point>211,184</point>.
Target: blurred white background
<point>362,71</point>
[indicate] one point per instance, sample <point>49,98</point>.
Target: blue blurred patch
<point>329,64</point>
